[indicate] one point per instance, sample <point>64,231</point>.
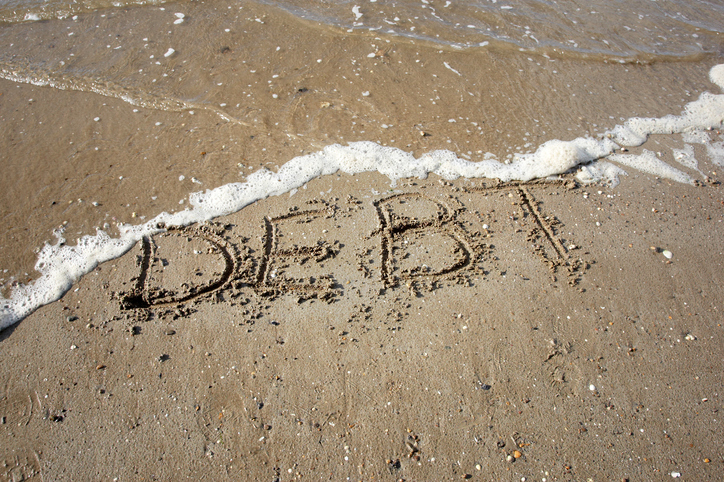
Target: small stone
<point>510,458</point>
<point>517,454</point>
<point>478,467</point>
<point>71,318</point>
<point>690,337</point>
<point>667,254</point>
<point>73,347</point>
<point>675,475</point>
<point>706,461</point>
<point>170,331</point>
<point>100,366</point>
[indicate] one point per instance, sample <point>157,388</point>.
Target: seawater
<point>170,58</point>
<point>635,29</point>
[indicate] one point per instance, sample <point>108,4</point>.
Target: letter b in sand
<point>420,239</point>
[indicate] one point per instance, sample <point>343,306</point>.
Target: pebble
<point>675,475</point>
<point>517,454</point>
<point>667,254</point>
<point>170,332</point>
<point>690,337</point>
<point>510,458</point>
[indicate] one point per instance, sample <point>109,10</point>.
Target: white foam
<point>357,13</point>
<point>686,158</point>
<point>60,265</point>
<point>648,162</point>
<point>600,171</point>
<point>706,112</point>
<point>716,75</point>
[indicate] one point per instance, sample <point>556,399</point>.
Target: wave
<point>642,31</point>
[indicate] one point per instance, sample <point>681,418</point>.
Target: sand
<point>541,322</point>
<point>431,330</point>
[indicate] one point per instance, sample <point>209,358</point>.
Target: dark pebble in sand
<point>170,332</point>
<point>71,318</point>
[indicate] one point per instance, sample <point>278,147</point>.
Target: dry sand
<point>426,331</point>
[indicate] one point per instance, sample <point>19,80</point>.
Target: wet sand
<point>429,330</point>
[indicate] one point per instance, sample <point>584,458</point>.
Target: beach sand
<point>356,329</point>
<point>562,337</point>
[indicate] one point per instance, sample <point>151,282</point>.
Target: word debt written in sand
<point>407,239</point>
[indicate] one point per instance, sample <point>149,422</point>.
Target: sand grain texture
<point>569,345</point>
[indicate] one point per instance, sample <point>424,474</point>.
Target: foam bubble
<point>600,171</point>
<point>716,75</point>
<point>649,162</point>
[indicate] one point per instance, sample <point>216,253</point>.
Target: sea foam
<point>61,265</point>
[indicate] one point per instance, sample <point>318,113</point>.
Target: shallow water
<point>635,29</point>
